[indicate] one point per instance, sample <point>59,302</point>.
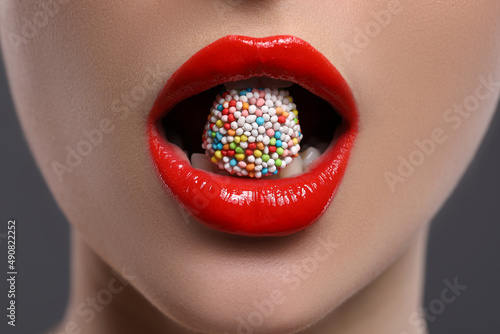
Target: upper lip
<point>249,206</point>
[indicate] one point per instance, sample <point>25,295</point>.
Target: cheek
<point>426,85</point>
<point>83,94</point>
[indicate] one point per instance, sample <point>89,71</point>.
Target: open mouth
<point>183,125</point>
<point>274,205</point>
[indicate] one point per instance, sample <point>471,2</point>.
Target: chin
<point>245,312</point>
<point>243,285</point>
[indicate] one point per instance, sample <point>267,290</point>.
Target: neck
<point>102,300</point>
<point>390,304</point>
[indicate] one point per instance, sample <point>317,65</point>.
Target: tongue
<point>258,82</point>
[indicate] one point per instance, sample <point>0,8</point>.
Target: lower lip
<point>255,207</point>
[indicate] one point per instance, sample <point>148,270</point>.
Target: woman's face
<point>425,76</point>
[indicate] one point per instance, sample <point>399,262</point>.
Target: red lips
<point>249,206</point>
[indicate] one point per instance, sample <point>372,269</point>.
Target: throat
<point>392,303</point>
<point>104,301</point>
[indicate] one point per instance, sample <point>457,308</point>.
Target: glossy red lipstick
<point>249,206</point>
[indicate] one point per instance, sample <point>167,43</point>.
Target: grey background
<point>464,243</point>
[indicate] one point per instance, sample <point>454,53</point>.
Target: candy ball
<point>252,132</point>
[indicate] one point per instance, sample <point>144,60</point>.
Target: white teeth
<point>321,147</point>
<point>308,156</point>
<point>298,165</point>
<point>292,169</point>
<point>201,161</point>
<point>258,82</point>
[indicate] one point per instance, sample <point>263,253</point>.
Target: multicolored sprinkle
<point>253,132</point>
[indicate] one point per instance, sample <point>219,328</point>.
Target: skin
<point>181,275</point>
